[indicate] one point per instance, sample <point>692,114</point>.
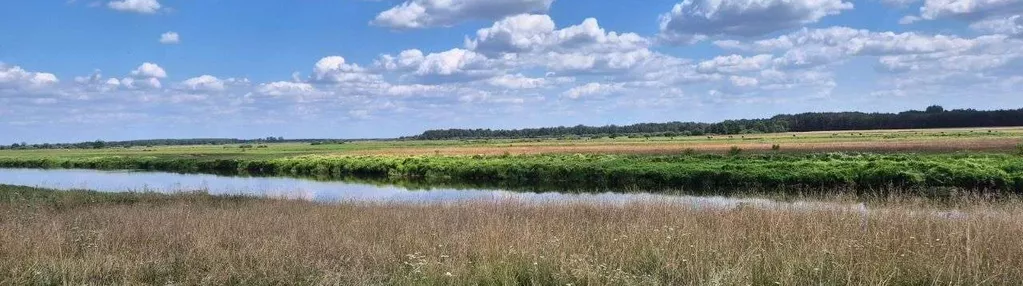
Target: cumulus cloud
<point>969,10</point>
<point>735,64</point>
<point>848,41</point>
<point>536,33</point>
<point>451,62</point>
<point>17,78</point>
<point>406,59</point>
<point>518,81</point>
<point>279,88</point>
<point>451,65</point>
<point>695,20</point>
<point>140,83</point>
<point>1010,25</point>
<point>432,13</point>
<point>592,89</point>
<point>149,70</point>
<point>203,83</point>
<point>170,38</point>
<point>135,6</point>
<point>335,69</point>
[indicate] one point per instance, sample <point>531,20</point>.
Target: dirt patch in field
<point>942,145</point>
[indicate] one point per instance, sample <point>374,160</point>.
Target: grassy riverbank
<point>49,237</point>
<point>787,173</point>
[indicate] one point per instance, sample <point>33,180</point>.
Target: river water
<point>337,191</point>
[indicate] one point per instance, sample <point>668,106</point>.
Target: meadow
<point>983,140</point>
<point>924,207</point>
<point>52,237</point>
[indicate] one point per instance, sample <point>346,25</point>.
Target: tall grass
<point>264,242</point>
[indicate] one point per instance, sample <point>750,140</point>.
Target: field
<point>995,140</point>
<point>51,237</point>
<point>920,207</point>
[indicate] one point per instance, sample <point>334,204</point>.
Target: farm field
<point>54,237</point>
<point>998,140</point>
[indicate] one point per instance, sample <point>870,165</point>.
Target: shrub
<point>734,151</point>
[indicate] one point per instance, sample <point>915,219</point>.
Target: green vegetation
<point>29,197</point>
<point>794,173</point>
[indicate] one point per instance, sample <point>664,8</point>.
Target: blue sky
<point>129,69</point>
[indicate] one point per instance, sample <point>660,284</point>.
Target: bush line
<point>857,171</point>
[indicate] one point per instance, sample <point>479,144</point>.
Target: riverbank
<point>49,237</point>
<point>864,172</point>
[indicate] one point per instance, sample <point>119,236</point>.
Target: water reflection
<point>327,191</point>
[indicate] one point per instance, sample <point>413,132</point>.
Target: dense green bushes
<point>868,172</point>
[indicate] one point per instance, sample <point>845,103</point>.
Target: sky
<point>82,70</point>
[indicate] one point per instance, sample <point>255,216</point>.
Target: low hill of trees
<point>933,117</point>
<point>99,144</point>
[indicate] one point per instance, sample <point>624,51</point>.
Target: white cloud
<point>14,77</point>
<point>743,81</point>
<point>406,59</point>
<point>149,70</point>
<point>517,81</point>
<point>451,65</point>
<point>170,38</point>
<point>279,88</point>
<point>848,41</point>
<point>536,33</point>
<point>735,64</point>
<point>1011,25</point>
<point>451,62</point>
<point>592,89</point>
<point>432,13</point>
<point>335,69</point>
<point>136,6</point>
<point>969,9</point>
<point>203,83</point>
<point>694,20</point>
<point>140,83</point>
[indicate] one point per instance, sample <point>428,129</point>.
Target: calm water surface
<point>328,191</point>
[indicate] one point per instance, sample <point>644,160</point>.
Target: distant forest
<point>933,117</point>
<point>99,144</point>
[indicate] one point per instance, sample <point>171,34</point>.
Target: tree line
<point>100,144</point>
<point>933,117</point>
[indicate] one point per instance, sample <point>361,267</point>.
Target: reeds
<point>197,239</point>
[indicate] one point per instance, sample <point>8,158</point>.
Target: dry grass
<point>660,147</point>
<point>289,242</point>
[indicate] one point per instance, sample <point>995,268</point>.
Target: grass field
<point>998,140</point>
<point>51,237</point>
